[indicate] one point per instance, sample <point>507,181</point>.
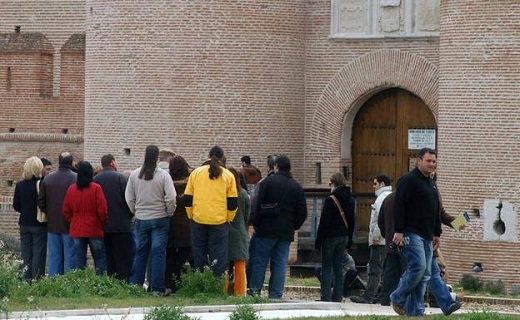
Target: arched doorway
<point>380,144</point>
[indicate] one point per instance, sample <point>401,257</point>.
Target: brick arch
<point>356,82</point>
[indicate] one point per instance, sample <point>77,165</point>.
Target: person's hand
<point>436,242</point>
<point>375,242</point>
<point>398,239</point>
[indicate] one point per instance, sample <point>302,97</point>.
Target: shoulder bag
<point>40,215</point>
<point>341,212</point>
<point>271,209</point>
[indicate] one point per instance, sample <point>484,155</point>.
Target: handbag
<point>40,215</point>
<point>341,212</point>
<point>271,209</point>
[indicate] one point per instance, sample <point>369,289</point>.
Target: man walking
<point>53,188</point>
<point>376,242</point>
<point>281,209</point>
<point>118,239</point>
<point>417,228</point>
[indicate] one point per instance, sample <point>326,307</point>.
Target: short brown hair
<point>338,179</point>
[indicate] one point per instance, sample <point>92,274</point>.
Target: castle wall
<point>191,74</point>
<point>479,73</point>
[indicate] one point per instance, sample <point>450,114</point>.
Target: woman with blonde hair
<point>33,234</point>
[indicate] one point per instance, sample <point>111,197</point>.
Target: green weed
<point>201,286</point>
<point>167,313</point>
<point>244,312</point>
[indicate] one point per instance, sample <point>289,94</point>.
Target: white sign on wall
<point>421,138</point>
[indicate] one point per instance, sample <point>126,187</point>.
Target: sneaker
<point>398,309</point>
<point>454,307</point>
<point>359,299</point>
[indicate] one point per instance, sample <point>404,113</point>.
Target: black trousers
<point>176,259</point>
<point>119,248</point>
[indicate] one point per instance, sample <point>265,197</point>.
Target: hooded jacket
<point>374,232</point>
<point>331,224</point>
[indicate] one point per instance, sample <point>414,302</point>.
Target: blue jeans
<point>250,261</point>
<point>151,234</point>
<point>278,252</point>
<point>33,241</point>
<point>411,289</point>
<point>62,255</point>
<point>332,263</point>
<point>439,289</point>
<point>210,241</point>
<point>97,248</point>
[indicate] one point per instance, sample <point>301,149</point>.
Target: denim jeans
<point>97,249</point>
<point>151,234</point>
<point>210,241</point>
<point>332,264</point>
<point>33,242</point>
<point>439,289</point>
<point>394,267</point>
<point>278,252</point>
<point>375,271</point>
<point>250,261</point>
<point>412,286</point>
<point>62,254</point>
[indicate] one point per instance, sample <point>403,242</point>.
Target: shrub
<point>9,270</point>
<point>167,313</point>
<point>495,287</point>
<point>10,246</point>
<point>469,282</point>
<point>201,285</point>
<point>244,312</point>
<point>81,283</point>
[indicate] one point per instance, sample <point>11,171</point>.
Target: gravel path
<point>312,294</point>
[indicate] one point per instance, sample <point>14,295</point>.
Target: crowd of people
<point>404,236</point>
<point>152,222</point>
<point>147,225</point>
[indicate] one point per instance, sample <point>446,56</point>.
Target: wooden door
<point>380,144</point>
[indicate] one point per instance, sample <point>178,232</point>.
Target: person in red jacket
<point>85,208</point>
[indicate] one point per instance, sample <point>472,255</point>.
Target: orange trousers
<point>239,288</point>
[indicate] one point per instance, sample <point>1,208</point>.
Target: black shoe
<point>454,307</point>
<point>359,299</point>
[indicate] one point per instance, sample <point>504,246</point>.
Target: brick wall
<point>15,148</point>
<point>190,74</point>
<point>479,73</point>
<point>259,77</point>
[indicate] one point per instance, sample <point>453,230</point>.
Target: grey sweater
<point>151,199</point>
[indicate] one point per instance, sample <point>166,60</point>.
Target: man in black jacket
<point>281,209</point>
<point>417,228</point>
<point>119,246</point>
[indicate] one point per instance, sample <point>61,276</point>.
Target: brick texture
<point>260,77</point>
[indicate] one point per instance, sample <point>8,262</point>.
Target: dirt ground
<point>306,294</point>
